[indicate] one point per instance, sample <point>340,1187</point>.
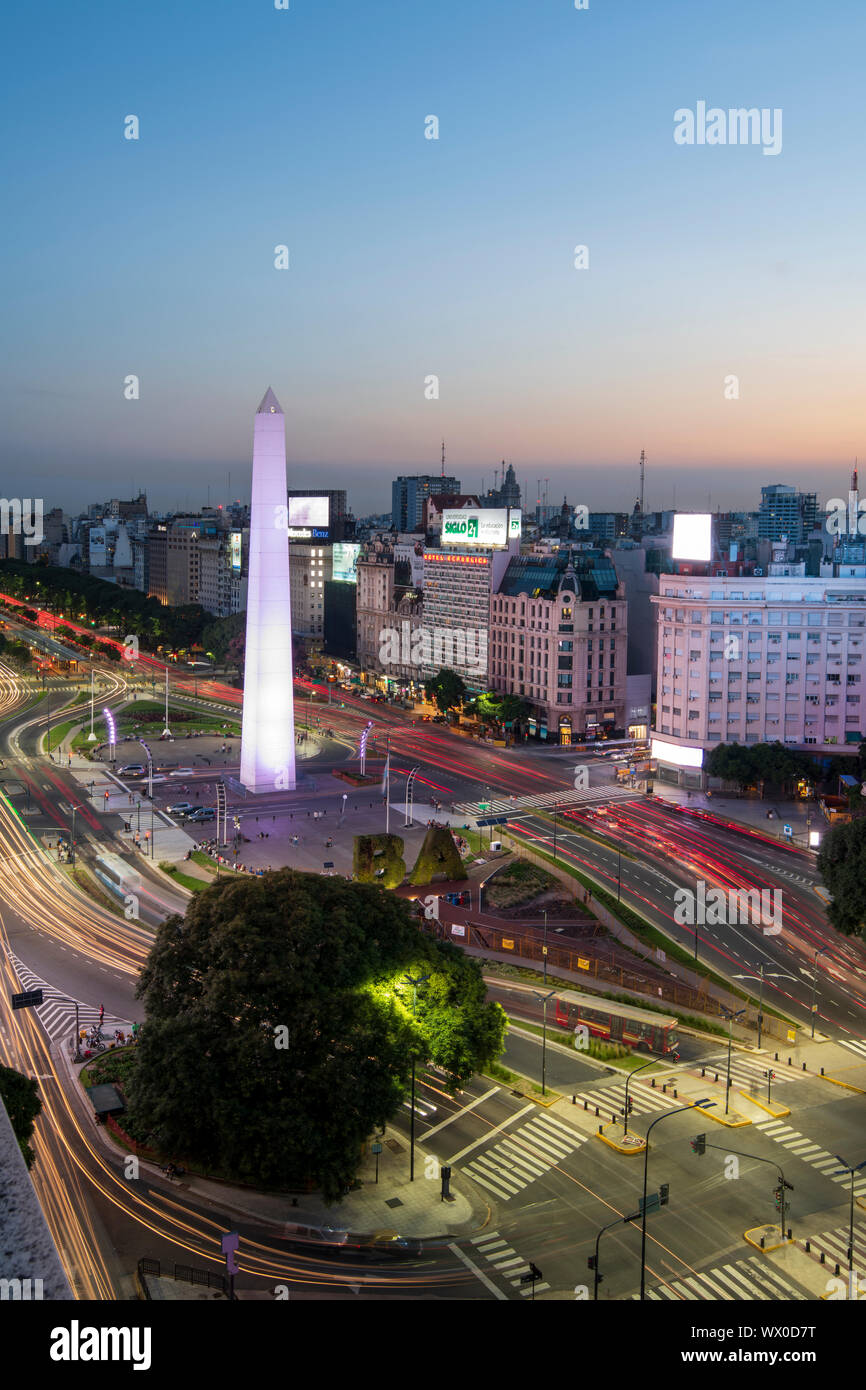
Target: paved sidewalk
<point>751,812</point>
<point>394,1208</point>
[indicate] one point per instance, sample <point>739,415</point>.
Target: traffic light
<point>664,1194</point>
<point>699,1144</point>
<point>629,1105</point>
<point>778,1196</point>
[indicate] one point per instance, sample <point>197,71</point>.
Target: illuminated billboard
<point>345,558</point>
<point>692,536</point>
<point>674,755</point>
<point>308,511</point>
<point>515,518</point>
<point>235,551</point>
<point>475,526</point>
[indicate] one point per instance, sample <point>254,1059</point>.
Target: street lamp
<point>847,1168</point>
<point>555,809</point>
<point>414,983</point>
<point>774,975</point>
<point>815,986</point>
<point>642,1066</point>
<point>705,1104</point>
<point>730,1014</point>
<point>544,1001</point>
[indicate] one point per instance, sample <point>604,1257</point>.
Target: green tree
<point>447,690</point>
<point>325,960</point>
<point>20,1095</point>
<point>842,866</point>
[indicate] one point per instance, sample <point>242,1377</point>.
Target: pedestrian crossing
<point>587,796</point>
<point>57,1012</point>
<point>834,1244</point>
<point>750,1280</point>
<point>644,1099</point>
<point>750,1071</point>
<point>526,1154</point>
<point>800,1147</point>
<point>857,1045</point>
<point>507,1262</point>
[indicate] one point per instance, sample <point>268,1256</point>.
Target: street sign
<point>493,820</point>
<point>786,830</point>
<point>652,1203</point>
<point>376,1148</point>
<point>30,999</point>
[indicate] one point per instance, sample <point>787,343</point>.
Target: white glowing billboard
<point>676,756</point>
<point>693,536</point>
<point>308,511</point>
<point>236,551</point>
<point>479,526</point>
<point>344,559</point>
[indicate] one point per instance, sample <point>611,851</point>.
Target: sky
<point>412,258</point>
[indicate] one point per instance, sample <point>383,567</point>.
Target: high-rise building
<point>558,636</point>
<point>786,512</point>
<point>268,729</point>
<point>409,493</point>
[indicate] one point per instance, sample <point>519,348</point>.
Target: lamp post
<point>698,1105</point>
<point>850,1170</point>
<point>91,737</point>
<point>414,983</point>
<point>544,1001</point>
<point>166,731</point>
<point>774,975</point>
<point>618,872</point>
<point>730,1014</point>
<point>815,988</point>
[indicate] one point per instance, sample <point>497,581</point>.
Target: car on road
<point>202,813</point>
<point>182,808</point>
<point>181,772</point>
<point>132,770</point>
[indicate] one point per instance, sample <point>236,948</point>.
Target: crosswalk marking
<point>507,1262</point>
<point>750,1071</point>
<point>524,1155</point>
<point>835,1244</point>
<point>825,1162</point>
<point>57,1012</point>
<point>748,1280</point>
<point>857,1045</point>
<point>503,805</point>
<point>644,1099</point>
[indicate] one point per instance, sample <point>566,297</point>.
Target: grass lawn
<point>519,883</point>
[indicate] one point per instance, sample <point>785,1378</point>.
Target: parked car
<point>202,813</point>
<point>181,808</point>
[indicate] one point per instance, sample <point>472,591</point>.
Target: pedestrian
<point>101,1014</point>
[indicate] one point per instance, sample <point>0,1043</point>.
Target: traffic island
<point>766,1238</point>
<point>771,1107</point>
<point>615,1137</point>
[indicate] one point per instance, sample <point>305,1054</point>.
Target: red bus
<point>618,1023</point>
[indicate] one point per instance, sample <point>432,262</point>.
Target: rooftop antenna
<point>443,458</point>
<point>642,474</point>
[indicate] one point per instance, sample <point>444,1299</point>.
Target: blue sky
<point>412,257</point>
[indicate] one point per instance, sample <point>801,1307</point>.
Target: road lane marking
<point>457,1113</point>
<point>490,1133</point>
<point>479,1273</point>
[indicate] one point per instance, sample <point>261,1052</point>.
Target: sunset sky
<point>411,257</point>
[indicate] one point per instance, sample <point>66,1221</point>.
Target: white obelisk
<point>268,733</point>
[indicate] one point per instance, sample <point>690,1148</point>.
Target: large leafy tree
<point>323,959</point>
<point>447,690</point>
<point>20,1095</point>
<point>842,865</point>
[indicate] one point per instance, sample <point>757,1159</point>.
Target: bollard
<point>836,1271</point>
<point>717,1076</point>
<point>613,1119</point>
<point>823,1257</point>
<point>586,1104</point>
<point>596,1110</point>
<point>676,1097</point>
<point>808,1246</point>
<point>822,1071</point>
<point>703,1072</point>
<point>804,1066</point>
<point>574,1100</point>
<point>601,1129</point>
<point>790,1232</point>
<point>762,1242</point>
<point>654,1082</point>
<point>777,1056</point>
<point>790,1062</point>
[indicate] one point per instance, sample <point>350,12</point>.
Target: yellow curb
<point>637,1148</point>
<point>765,1249</point>
<point>777,1111</point>
<point>737,1122</point>
<point>846,1084</point>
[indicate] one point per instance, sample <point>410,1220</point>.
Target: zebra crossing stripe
<point>857,1045</point>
